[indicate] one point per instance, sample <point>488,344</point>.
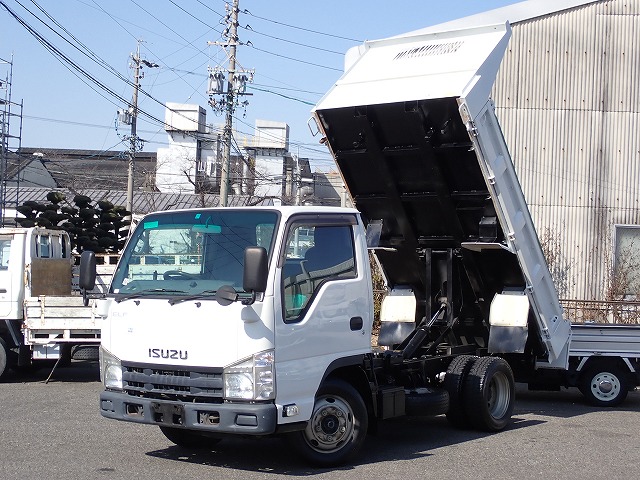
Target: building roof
<point>81,169</point>
<point>143,202</point>
<point>17,163</point>
<point>517,12</point>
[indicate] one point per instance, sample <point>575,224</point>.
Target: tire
<point>337,427</point>
<point>188,438</point>
<point>604,385</point>
<point>84,352</point>
<point>426,402</point>
<point>454,381</point>
<point>489,393</point>
<point>3,357</point>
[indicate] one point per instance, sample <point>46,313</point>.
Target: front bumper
<point>227,418</point>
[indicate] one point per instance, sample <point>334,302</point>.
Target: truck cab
<point>190,347</point>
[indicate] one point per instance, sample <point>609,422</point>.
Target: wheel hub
<point>605,386</point>
<point>330,426</point>
<point>499,396</point>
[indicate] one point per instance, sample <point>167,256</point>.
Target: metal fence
<point>600,311</point>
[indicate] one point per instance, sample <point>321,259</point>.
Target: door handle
<point>356,323</point>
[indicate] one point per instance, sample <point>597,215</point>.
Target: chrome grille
<point>171,383</point>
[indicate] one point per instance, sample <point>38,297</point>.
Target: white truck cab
<point>187,347</point>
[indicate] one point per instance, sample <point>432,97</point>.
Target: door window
<point>315,254</point>
<point>43,246</point>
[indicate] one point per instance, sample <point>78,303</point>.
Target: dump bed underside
<point>413,166</point>
<point>415,136</point>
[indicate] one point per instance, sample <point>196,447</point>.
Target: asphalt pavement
<point>54,431</point>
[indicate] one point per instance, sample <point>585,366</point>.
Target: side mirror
<point>256,270</point>
<point>87,279</point>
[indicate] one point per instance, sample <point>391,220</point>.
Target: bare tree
<point>559,266</point>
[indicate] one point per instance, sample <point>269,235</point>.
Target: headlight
<point>251,379</point>
<point>110,370</point>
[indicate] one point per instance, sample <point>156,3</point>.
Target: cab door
<point>326,309</point>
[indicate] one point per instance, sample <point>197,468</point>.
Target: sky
<point>296,49</point>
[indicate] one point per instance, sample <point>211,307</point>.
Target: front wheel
<point>489,394</point>
<point>337,428</point>
<point>604,385</point>
<point>188,438</point>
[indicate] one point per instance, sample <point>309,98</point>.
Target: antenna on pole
<point>237,79</point>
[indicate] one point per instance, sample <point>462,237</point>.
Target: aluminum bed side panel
<point>606,340</point>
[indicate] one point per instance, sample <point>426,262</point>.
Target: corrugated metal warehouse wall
<point>568,99</point>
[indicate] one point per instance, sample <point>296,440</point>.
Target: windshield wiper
<point>203,294</point>
<point>142,293</point>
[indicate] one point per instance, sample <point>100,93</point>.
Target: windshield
<point>191,252</point>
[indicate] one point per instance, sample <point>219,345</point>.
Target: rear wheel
<point>337,428</point>
<point>604,385</point>
<point>454,381</point>
<point>188,438</point>
<point>488,395</point>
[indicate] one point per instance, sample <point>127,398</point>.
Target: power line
<point>118,20</point>
<point>161,22</point>
<point>249,44</point>
<point>249,28</point>
<point>71,65</point>
<point>61,56</point>
<point>281,95</point>
<point>301,28</point>
<point>294,59</point>
<point>291,89</point>
<point>209,8</point>
<point>194,17</point>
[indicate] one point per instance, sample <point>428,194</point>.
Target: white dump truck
<point>258,321</point>
<point>42,315</point>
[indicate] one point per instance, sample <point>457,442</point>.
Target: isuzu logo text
<point>166,353</point>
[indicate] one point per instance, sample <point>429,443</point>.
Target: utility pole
<point>298,180</point>
<point>133,137</point>
<point>236,86</point>
<point>130,117</point>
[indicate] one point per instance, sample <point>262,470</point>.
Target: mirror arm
<point>251,300</point>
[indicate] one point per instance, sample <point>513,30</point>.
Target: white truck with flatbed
<point>41,316</point>
<point>258,321</point>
